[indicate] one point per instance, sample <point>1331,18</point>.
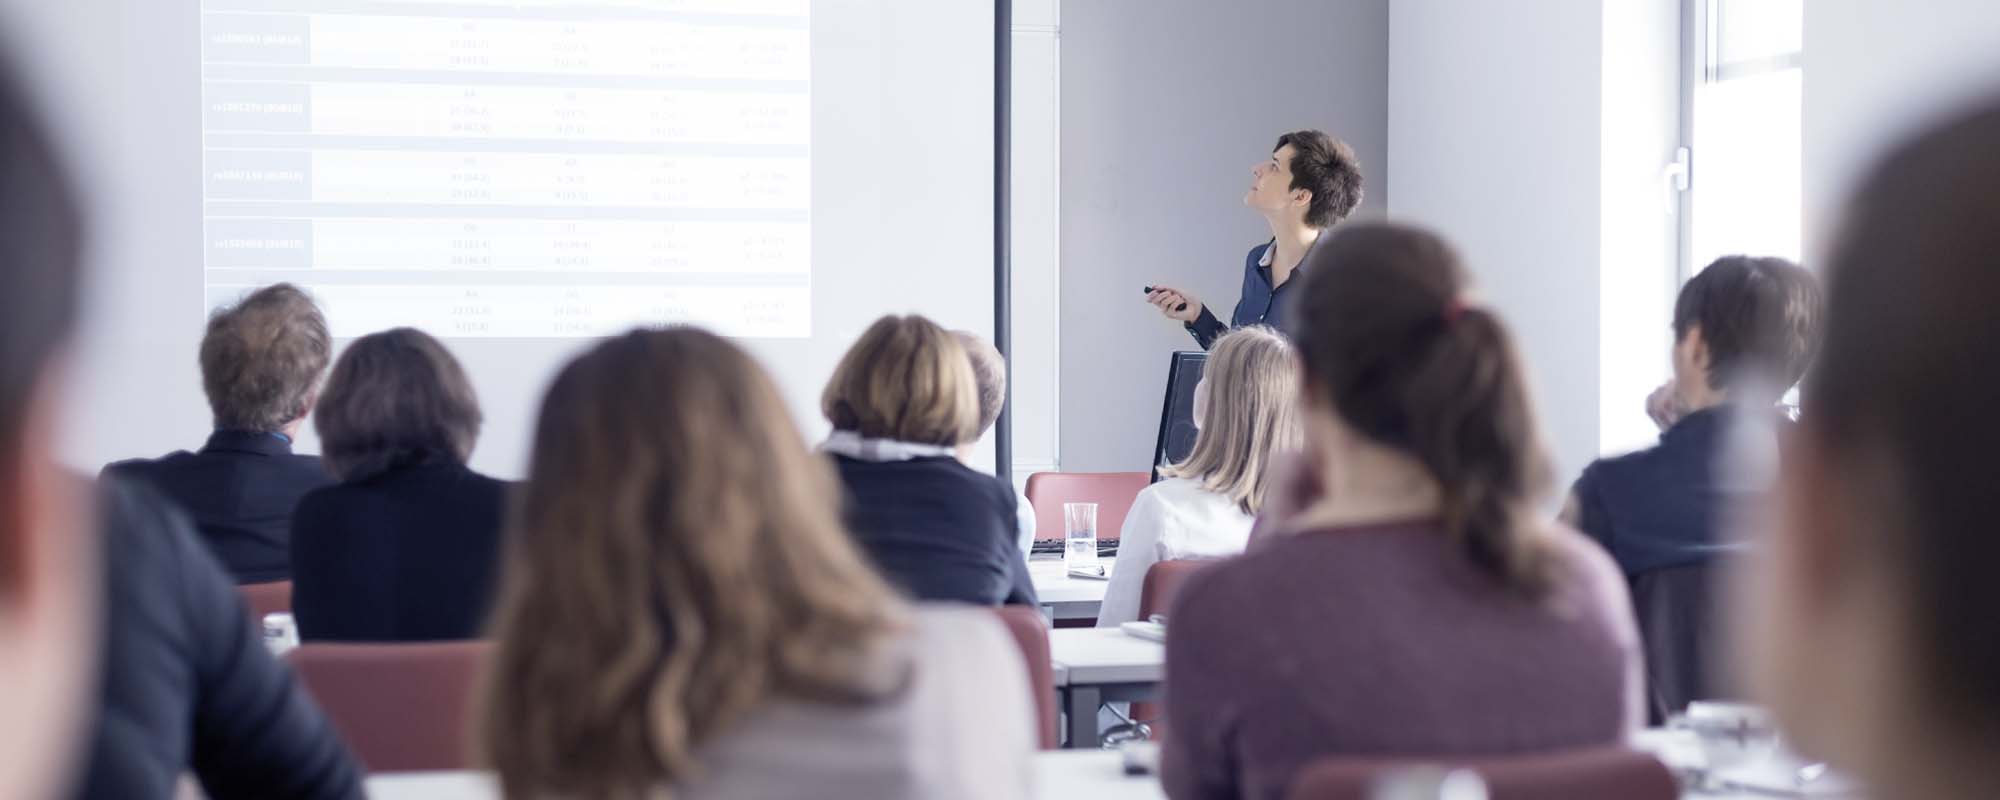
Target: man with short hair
<point>1745,331</point>
<point>261,364</point>
<point>1311,181</point>
<point>989,370</point>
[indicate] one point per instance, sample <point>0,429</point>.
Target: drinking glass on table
<point>1080,533</point>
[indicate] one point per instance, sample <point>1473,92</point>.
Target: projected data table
<point>512,169</point>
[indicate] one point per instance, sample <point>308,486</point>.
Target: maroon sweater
<point>1386,641</point>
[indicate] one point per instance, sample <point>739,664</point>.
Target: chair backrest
<point>1583,774</point>
<point>1682,637</point>
<point>1156,595</point>
<point>1113,492</point>
<point>400,707</point>
<point>267,598</point>
<point>1163,583</point>
<point>1031,632</point>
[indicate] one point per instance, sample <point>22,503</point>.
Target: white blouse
<point>1173,519</point>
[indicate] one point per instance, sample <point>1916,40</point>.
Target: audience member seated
<point>405,547</point>
<point>187,683</point>
<point>901,400</point>
<point>684,611</point>
<point>261,362</point>
<point>1408,600</point>
<point>1745,331</point>
<point>1245,410</point>
<point>181,682</point>
<point>989,371</point>
<point>1873,633</point>
<point>49,590</point>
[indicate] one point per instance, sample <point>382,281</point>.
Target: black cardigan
<point>407,555</point>
<point>937,529</point>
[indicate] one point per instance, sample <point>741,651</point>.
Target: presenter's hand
<point>1167,299</point>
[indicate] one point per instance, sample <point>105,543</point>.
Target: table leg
<point>1082,710</point>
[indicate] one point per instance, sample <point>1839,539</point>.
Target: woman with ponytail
<point>1407,597</point>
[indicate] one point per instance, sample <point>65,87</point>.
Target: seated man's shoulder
<point>142,466</point>
<point>1623,469</point>
<point>304,462</point>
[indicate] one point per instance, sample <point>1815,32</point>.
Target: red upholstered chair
<point>1031,632</point>
<point>400,707</point>
<point>1113,493</point>
<point>1163,584</point>
<point>1156,595</point>
<point>267,598</point>
<point>1585,774</point>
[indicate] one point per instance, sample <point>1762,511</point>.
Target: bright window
<point>1745,186</point>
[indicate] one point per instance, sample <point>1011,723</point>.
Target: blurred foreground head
<point>1876,632</point>
<point>48,577</point>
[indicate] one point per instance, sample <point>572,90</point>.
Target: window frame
<point>1700,42</point>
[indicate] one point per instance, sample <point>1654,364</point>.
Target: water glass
<point>1080,533</point>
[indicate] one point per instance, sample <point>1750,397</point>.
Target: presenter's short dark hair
<point>1328,168</point>
<point>395,398</point>
<point>41,236</point>
<point>262,358</point>
<point>1759,316</point>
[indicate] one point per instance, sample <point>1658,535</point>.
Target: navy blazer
<point>185,683</point>
<point>408,555</point>
<point>240,489</point>
<point>937,529</point>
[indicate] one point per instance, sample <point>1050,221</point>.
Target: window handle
<point>1674,177</point>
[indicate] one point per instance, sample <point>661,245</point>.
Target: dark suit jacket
<point>938,529</point>
<point>186,684</point>
<point>240,490</point>
<point>406,555</point>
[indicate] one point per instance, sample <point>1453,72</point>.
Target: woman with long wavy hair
<point>683,614</point>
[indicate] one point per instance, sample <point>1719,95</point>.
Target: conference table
<point>1101,665</point>
<point>1076,775</point>
<point>1064,596</point>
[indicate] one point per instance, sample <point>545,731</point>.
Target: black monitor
<point>1176,440</point>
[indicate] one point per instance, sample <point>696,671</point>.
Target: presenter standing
<point>1310,182</point>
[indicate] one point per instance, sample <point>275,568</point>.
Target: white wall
<point>889,76</point>
<point>1876,70</point>
<point>1495,125</point>
<point>1166,104</point>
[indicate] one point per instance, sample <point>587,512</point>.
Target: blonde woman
<point>1245,410</point>
<point>901,401</point>
<point>684,616</point>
